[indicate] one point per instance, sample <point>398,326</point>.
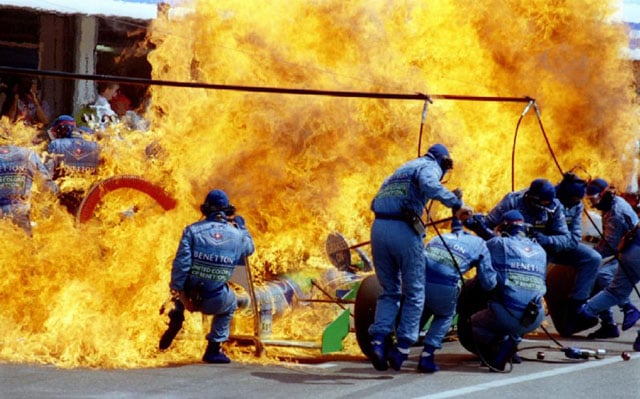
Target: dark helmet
<point>62,127</point>
<point>441,154</point>
<point>571,190</point>
<point>512,223</point>
<point>540,194</point>
<point>599,194</point>
<point>216,201</point>
<point>596,186</point>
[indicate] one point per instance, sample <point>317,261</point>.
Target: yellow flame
<point>298,167</point>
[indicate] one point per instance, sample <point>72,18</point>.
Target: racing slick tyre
<point>365,311</point>
<point>103,187</point>
<point>471,300</point>
<point>560,282</point>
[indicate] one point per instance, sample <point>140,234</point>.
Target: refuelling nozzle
<point>579,353</point>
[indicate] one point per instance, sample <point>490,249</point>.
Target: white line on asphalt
<point>516,380</point>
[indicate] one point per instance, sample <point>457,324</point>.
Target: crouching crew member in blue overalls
<point>208,253</point>
<point>516,305</point>
<point>620,237</point>
<point>70,154</point>
<point>449,257</point>
<point>397,245</point>
<point>20,167</point>
<point>586,260</point>
<point>546,215</point>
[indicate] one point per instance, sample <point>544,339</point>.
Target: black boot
<point>608,330</point>
<point>580,321</point>
<point>379,351</point>
<point>213,354</point>
<point>503,354</point>
<point>176,318</point>
<point>427,362</point>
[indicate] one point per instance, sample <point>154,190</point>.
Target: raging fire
<point>299,167</point>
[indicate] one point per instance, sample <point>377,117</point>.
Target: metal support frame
<point>333,333</point>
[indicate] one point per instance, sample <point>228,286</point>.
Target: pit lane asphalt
<point>461,376</point>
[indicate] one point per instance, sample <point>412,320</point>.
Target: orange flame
<point>299,167</point>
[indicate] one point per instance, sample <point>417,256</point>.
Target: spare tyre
<point>472,299</point>
<point>365,311</point>
<point>560,282</point>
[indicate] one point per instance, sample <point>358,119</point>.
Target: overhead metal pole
<point>257,89</point>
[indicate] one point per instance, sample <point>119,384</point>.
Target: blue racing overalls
<point>68,155</point>
<point>18,168</point>
<point>398,248</point>
<point>550,221</point>
<point>620,223</point>
<point>521,265</point>
<point>72,157</point>
<point>208,253</point>
<point>578,255</point>
<point>445,264</point>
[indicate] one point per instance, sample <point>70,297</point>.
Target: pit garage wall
<point>63,42</point>
<point>57,53</point>
<point>85,60</point>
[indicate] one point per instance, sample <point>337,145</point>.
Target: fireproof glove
<point>464,213</point>
<point>543,239</point>
<point>476,224</point>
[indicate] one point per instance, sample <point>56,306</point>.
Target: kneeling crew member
<point>208,253</point>
<point>516,305</point>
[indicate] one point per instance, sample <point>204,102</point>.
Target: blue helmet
<point>541,191</point>
<point>441,154</point>
<point>596,186</point>
<point>62,127</point>
<point>599,194</point>
<point>540,195</point>
<point>216,201</point>
<point>571,190</point>
<point>512,223</point>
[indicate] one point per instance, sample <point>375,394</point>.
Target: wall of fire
<point>86,45</point>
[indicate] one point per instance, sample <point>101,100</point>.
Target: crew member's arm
<point>613,229</point>
<point>430,183</point>
<point>181,267</point>
<point>556,236</point>
<point>247,240</point>
<point>487,275</point>
<point>41,116</point>
<point>182,262</point>
<point>574,224</point>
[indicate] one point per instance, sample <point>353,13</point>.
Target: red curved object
<point>103,187</point>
